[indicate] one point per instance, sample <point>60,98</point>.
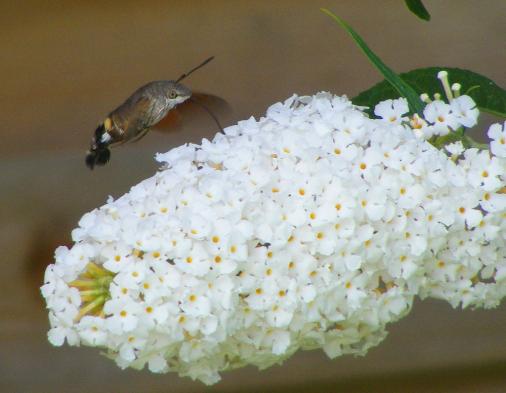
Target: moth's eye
<point>172,94</point>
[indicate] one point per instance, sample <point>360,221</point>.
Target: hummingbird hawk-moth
<point>145,108</point>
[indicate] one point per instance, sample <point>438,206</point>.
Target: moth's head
<point>177,93</point>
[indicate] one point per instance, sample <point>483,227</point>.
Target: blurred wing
<point>215,104</point>
<point>189,109</point>
<point>172,120</point>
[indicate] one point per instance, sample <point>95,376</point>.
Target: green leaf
<point>488,96</point>
<point>404,89</point>
<point>417,8</point>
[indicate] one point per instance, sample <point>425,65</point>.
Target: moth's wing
<point>215,104</point>
<point>171,122</point>
<point>216,107</point>
<point>193,108</point>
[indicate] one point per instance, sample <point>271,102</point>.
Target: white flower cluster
<point>313,227</point>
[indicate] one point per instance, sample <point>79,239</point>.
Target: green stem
<point>90,306</point>
<point>84,284</point>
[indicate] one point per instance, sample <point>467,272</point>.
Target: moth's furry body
<point>134,118</point>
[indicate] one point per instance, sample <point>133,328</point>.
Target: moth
<point>155,103</point>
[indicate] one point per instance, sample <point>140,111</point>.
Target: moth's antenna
<point>194,69</point>
<point>208,111</point>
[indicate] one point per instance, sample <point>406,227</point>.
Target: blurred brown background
<point>64,65</point>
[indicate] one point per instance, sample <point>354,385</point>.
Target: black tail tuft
<point>99,156</point>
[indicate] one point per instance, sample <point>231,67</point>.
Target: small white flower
<point>484,171</point>
<point>497,133</point>
<point>117,257</point>
<point>124,315</point>
<point>157,364</point>
<point>440,115</point>
<point>455,149</point>
<point>464,108</point>
<point>154,313</point>
<point>392,110</point>
<point>195,303</point>
<point>92,331</point>
<point>62,329</point>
